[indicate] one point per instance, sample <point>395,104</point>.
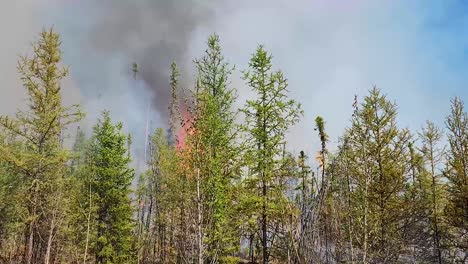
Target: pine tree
<point>108,163</point>
<point>267,119</point>
<point>166,202</point>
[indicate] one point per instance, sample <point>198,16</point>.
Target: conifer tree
<point>11,207</point>
<point>81,231</point>
<point>174,110</point>
<point>108,163</point>
<point>166,195</point>
<point>343,203</point>
<point>267,119</point>
<point>323,199</point>
<point>416,223</point>
<point>457,173</point>
<point>378,167</point>
<point>41,161</point>
<point>432,154</point>
<point>214,135</point>
<point>218,192</point>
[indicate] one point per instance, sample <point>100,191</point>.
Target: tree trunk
<point>199,222</point>
<point>49,241</point>
<point>364,243</point>
<point>88,222</point>
<point>264,222</point>
<point>29,255</point>
<point>434,209</point>
<point>251,247</point>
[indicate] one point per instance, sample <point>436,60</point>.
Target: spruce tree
<point>108,162</point>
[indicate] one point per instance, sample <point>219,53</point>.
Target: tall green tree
<point>378,168</point>
<point>40,163</point>
<point>214,134</point>
<point>267,119</point>
<point>82,227</point>
<point>108,163</point>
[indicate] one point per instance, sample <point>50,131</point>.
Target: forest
<point>221,185</point>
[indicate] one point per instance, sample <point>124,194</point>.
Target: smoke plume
<point>102,41</point>
<point>149,33</point>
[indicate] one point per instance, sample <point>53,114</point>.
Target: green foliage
<point>40,161</point>
<point>457,171</point>
<point>216,150</point>
<point>267,119</point>
<point>378,168</point>
<point>108,163</point>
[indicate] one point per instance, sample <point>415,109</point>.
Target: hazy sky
<point>329,50</point>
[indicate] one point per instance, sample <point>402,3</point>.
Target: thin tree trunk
<point>350,221</point>
<point>50,240</point>
<point>325,218</point>
<point>88,222</point>
<point>29,255</point>
<point>364,253</point>
<point>434,204</point>
<point>199,222</point>
<point>264,222</point>
<point>251,247</point>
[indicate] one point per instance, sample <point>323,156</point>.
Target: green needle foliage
<point>267,119</point>
<point>108,163</point>
<point>34,151</point>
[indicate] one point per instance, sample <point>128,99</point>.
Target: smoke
<point>329,51</point>
<point>150,33</point>
<point>15,40</point>
<point>102,41</point>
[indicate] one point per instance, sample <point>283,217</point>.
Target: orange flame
<point>185,130</point>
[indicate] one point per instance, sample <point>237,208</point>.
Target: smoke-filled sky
<point>415,51</point>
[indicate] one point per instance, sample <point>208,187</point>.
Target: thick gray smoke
<point>117,34</point>
<point>102,40</point>
<point>149,33</point>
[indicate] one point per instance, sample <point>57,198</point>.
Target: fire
<point>183,148</point>
<point>185,130</point>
